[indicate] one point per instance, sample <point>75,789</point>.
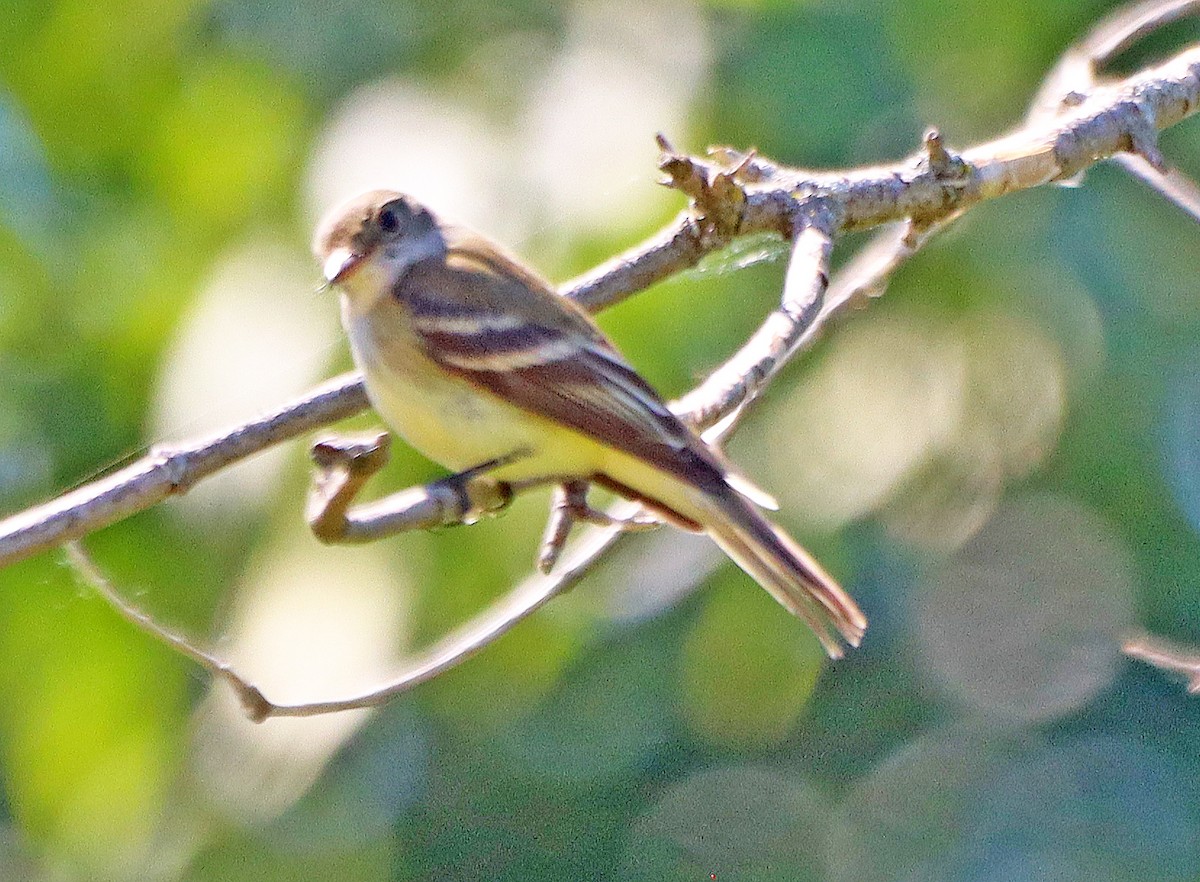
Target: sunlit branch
<point>1076,75</point>
<point>172,470</point>
<point>677,247</point>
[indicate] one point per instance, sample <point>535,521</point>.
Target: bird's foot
<point>568,507</point>
<point>478,495</point>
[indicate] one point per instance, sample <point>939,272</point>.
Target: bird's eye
<point>389,219</point>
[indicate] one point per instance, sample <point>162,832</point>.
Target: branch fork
<point>717,197</point>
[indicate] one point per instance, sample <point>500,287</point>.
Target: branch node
<point>722,204</point>
<point>717,196</point>
<point>343,466</point>
<point>943,163</point>
<point>1143,138</point>
<point>258,707</point>
<point>935,150</point>
<point>174,465</point>
<point>746,166</point>
<point>683,174</point>
<point>354,454</point>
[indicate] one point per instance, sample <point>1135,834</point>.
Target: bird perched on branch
<point>480,365</point>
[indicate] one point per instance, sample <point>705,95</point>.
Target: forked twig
<point>1078,73</point>
<point>257,707</point>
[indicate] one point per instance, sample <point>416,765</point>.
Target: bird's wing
<point>484,318</point>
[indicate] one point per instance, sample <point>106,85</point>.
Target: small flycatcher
<point>472,357</point>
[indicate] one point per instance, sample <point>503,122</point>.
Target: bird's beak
<point>340,264</point>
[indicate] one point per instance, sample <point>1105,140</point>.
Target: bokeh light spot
<point>1023,623</point>
<point>753,822</point>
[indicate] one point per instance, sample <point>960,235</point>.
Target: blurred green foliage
<point>1040,359</point>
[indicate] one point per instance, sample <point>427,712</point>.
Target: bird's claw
<point>568,507</point>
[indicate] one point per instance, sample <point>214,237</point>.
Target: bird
<point>473,358</point>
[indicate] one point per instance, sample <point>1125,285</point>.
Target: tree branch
<point>732,195</point>
<point>172,470</point>
<point>1076,74</point>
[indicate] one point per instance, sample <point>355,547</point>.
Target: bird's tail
<point>783,568</point>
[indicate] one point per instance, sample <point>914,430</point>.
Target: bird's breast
<point>443,416</point>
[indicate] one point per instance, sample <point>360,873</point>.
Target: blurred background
<point>1000,459</point>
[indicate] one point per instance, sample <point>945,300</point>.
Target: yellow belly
<point>457,424</point>
<point>451,422</point>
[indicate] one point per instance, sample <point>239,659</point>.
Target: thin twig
<point>1122,29</point>
<point>453,649</point>
<point>1171,184</point>
<point>256,705</point>
<point>1076,73</point>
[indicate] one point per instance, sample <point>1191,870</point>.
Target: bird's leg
<point>568,507</point>
<point>476,498</point>
<point>344,465</point>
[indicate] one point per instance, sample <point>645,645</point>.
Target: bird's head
<point>366,245</point>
